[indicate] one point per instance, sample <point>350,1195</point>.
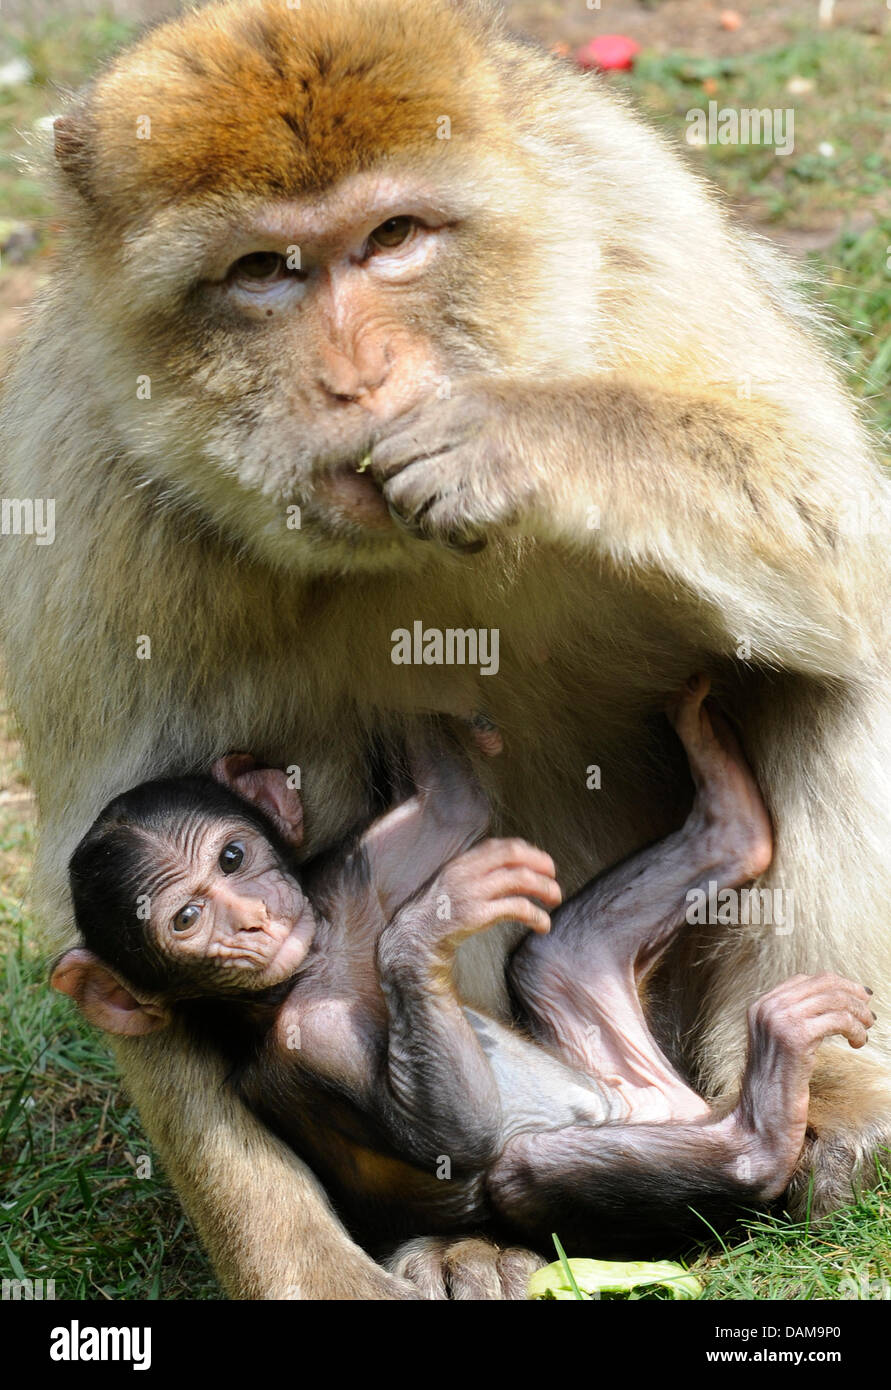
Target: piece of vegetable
<point>611,1277</point>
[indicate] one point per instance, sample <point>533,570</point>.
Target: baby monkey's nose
<point>243,914</point>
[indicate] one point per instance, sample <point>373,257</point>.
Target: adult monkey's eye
<point>186,917</point>
<point>232,856</point>
<point>259,266</point>
<point>393,232</point>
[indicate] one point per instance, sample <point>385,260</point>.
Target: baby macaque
<point>331,989</point>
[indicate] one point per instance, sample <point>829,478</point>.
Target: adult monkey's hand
<point>466,1268</point>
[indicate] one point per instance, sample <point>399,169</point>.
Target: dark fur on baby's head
<point>119,855</point>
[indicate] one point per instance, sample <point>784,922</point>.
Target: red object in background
<point>608,51</point>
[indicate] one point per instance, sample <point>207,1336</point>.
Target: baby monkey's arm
<point>438,1093</point>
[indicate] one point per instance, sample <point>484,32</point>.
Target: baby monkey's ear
<point>266,788</point>
<point>103,998</point>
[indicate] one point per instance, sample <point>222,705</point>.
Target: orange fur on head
<point>276,101</point>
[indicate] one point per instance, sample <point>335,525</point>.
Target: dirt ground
<point>692,25</point>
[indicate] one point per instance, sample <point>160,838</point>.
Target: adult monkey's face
<point>299,224</point>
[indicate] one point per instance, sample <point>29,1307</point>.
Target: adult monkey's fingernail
<point>399,520</point>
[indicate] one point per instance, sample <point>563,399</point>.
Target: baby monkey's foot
<point>786,1027</point>
<point>728,807</point>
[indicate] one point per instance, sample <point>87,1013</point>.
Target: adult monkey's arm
<point>728,500</point>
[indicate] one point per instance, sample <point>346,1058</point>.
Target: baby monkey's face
<point>225,911</point>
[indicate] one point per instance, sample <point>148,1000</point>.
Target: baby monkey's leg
<point>647,1177</point>
<point>579,986</point>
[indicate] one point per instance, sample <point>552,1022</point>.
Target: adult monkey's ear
<point>267,789</point>
<point>73,148</point>
<point>103,998</point>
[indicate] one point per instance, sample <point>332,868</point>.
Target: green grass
<point>62,46</point>
<point>847,1256</point>
<point>846,108</point>
<point>62,51</point>
<point>857,287</point>
<point>75,1206</point>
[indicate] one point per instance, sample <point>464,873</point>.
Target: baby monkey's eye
<point>232,856</point>
<point>392,233</point>
<point>186,917</point>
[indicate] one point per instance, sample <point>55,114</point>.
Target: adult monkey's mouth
<point>354,494</point>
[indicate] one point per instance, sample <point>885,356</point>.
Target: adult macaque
<point>300,241</point>
<point>335,999</point>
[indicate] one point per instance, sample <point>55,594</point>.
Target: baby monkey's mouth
<point>290,956</point>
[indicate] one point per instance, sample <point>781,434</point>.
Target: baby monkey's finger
<point>505,853</point>
<point>525,911</point>
<point>521,879</point>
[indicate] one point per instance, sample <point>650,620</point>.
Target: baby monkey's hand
<point>496,881</point>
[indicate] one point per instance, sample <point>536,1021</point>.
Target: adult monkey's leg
<point>284,1242</point>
